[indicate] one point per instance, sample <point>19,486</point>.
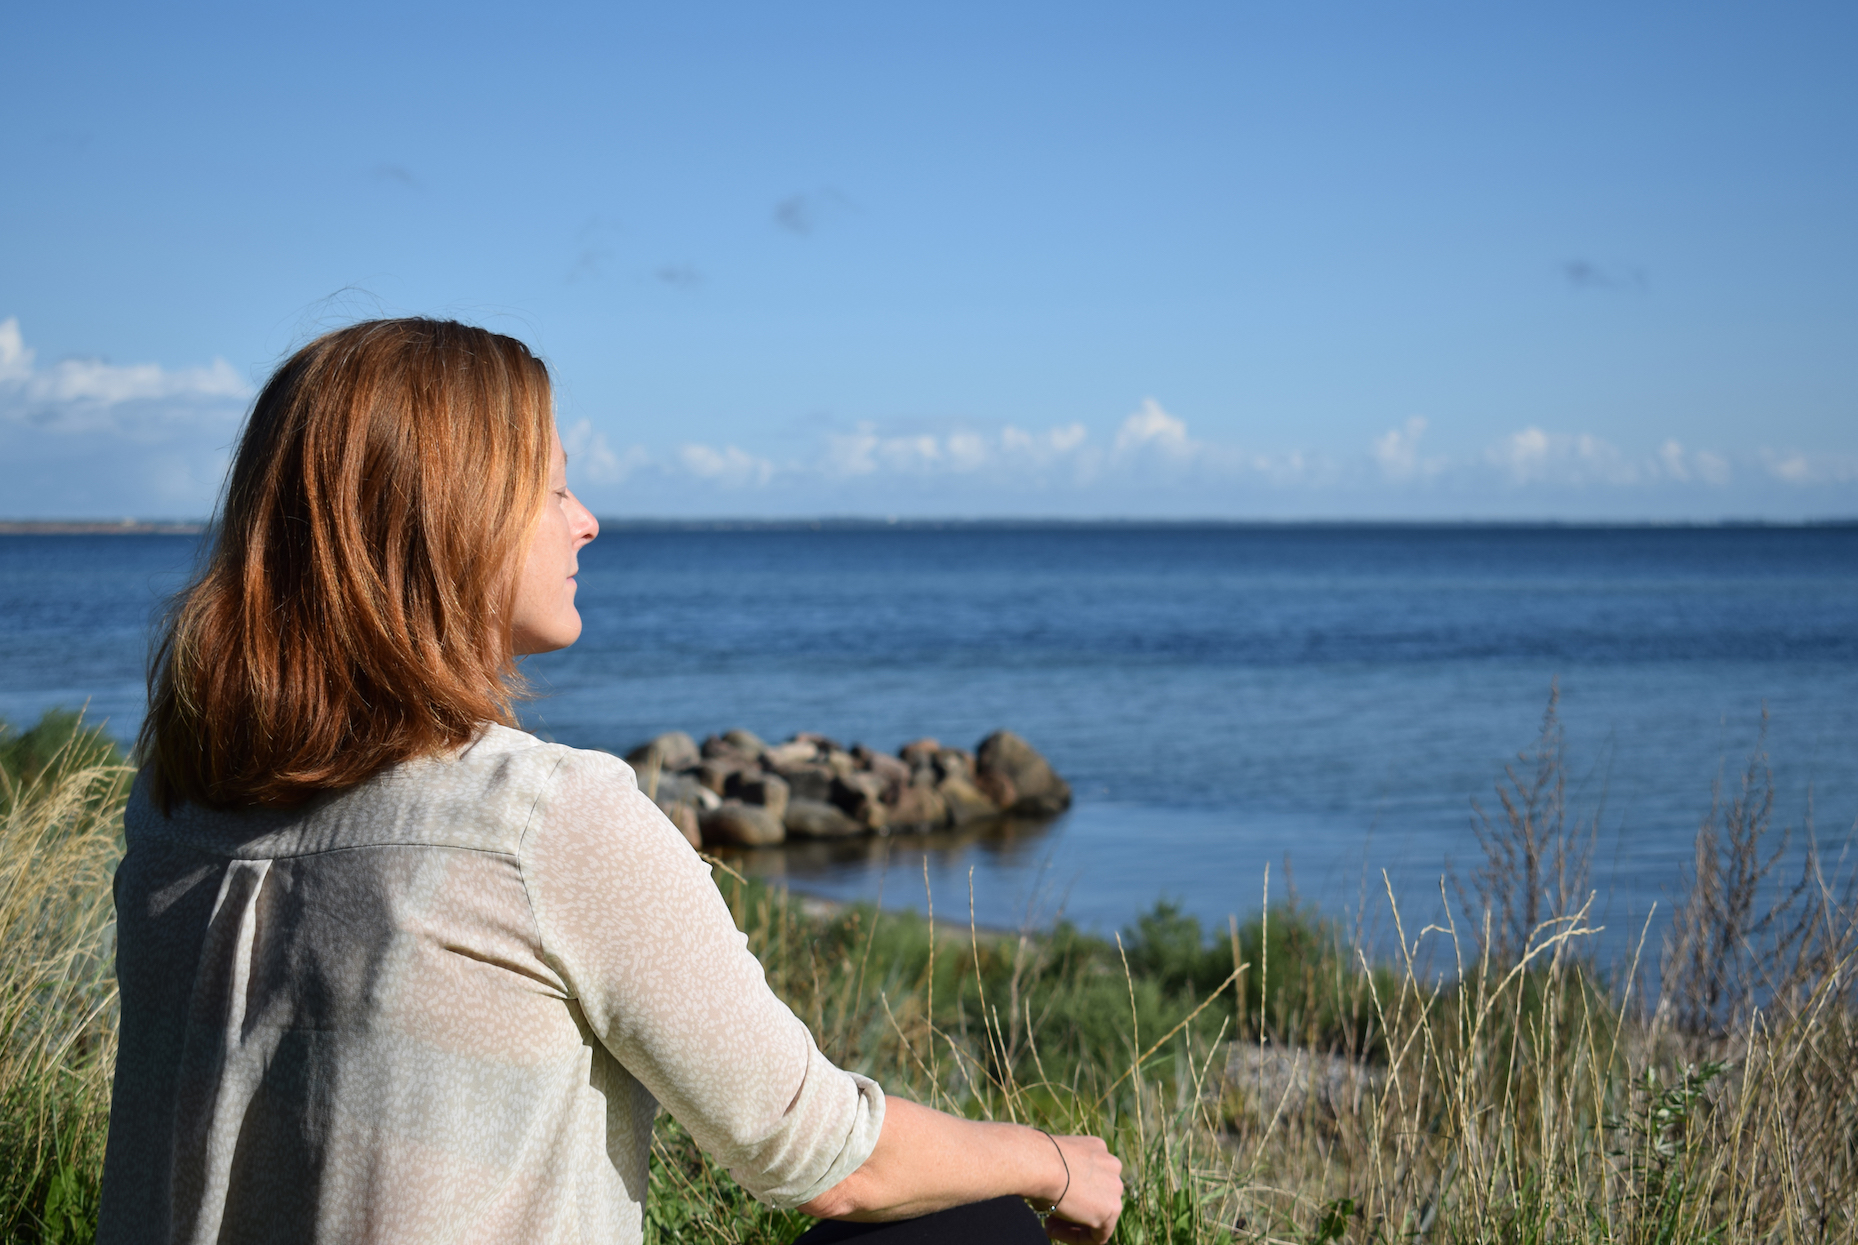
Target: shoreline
<point>641,525</point>
<point>100,527</point>
<point>820,906</point>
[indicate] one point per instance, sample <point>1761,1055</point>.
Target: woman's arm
<point>927,1161</point>
<point>631,920</point>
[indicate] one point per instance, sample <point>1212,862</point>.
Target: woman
<point>393,970</point>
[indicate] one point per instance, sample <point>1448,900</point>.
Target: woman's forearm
<point>926,1160</point>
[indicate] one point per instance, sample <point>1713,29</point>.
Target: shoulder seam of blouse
<point>522,867</point>
<point>184,841</point>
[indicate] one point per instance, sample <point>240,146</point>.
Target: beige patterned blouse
<point>444,1006</point>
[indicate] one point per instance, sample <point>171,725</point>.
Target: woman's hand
<point>1090,1207</point>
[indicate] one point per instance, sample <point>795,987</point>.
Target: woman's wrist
<point>1047,1199</point>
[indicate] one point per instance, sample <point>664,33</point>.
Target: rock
<point>1262,1082</point>
<point>673,750</point>
<point>954,763</point>
<point>745,741</point>
<point>758,787</point>
<point>918,808</point>
<point>885,766</point>
<point>719,748</point>
<point>816,819</point>
<point>715,772</point>
<point>861,795</point>
<point>684,817</point>
<point>793,752</point>
<point>742,825</point>
<point>680,789</point>
<point>919,751</point>
<point>1013,774</point>
<point>998,788</point>
<point>965,802</point>
<point>738,789</point>
<point>928,768</point>
<point>807,782</point>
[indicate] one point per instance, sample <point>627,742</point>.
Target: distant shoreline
<point>194,527</point>
<point>101,527</point>
<point>1261,525</point>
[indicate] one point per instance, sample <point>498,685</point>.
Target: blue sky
<point>1410,260</point>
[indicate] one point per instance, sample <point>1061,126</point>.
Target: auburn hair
<point>355,608</point>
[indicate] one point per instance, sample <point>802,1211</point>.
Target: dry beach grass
<point>61,794</point>
<point>1263,1081</point>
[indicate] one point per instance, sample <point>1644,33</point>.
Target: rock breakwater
<point>736,790</point>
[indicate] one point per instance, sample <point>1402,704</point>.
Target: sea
<point>1314,713</point>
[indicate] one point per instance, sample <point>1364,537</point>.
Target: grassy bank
<point>1261,1081</point>
<point>61,793</point>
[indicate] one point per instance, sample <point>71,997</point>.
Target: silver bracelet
<point>1046,1212</point>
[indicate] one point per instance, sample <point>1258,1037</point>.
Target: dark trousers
<point>1003,1221</point>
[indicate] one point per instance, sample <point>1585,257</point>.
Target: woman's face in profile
<point>545,618</point>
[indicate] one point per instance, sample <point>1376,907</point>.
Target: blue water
<point>1325,700</point>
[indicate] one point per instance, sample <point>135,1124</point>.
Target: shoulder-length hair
<point>355,608</point>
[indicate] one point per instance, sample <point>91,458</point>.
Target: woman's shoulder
<point>482,797</point>
<point>504,750</point>
<point>585,788</point>
<point>505,780</point>
<point>592,801</point>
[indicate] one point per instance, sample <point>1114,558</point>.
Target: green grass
<point>59,741</point>
<point>61,791</point>
<point>1524,1098</point>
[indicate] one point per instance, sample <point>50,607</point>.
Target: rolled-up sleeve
<point>631,920</point>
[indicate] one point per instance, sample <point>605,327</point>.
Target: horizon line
<point>615,523</point>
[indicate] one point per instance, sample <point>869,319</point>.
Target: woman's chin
<point>547,640</point>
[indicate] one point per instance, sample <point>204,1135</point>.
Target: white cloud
<point>1287,468</point>
<point>1798,468</point>
<point>914,453</point>
<point>1683,466</point>
<point>1148,445</point>
<point>84,437</point>
<point>1602,460</point>
<point>1710,468</point>
<point>1152,427</point>
<point>1671,454</point>
<point>1524,452</point>
<point>1020,448</point>
<point>1534,456</point>
<point>864,451</point>
<point>1064,440</point>
<point>1397,452</point>
<point>1152,448</point>
<point>729,466</point>
<point>82,394</point>
<point>93,382</point>
<point>590,457</point>
<point>90,395</point>
<point>1793,468</point>
<point>1153,443</point>
<point>970,451</point>
<point>15,358</point>
<point>852,454</point>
